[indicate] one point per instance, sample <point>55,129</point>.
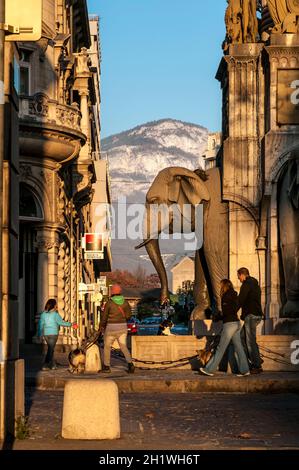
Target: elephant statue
<point>289,236</point>
<point>181,187</point>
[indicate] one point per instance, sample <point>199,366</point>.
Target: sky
<point>159,60</point>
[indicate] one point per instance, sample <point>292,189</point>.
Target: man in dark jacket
<point>252,314</point>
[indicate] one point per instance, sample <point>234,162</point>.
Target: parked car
<point>133,326</point>
<point>151,321</point>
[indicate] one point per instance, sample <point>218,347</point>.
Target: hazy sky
<point>159,60</point>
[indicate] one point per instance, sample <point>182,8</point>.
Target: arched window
<point>30,207</point>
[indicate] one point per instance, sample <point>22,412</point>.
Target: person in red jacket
<point>114,325</point>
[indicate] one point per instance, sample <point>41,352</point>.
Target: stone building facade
<point>181,272</point>
<point>59,147</point>
<point>259,76</point>
<point>50,175</point>
<point>211,152</point>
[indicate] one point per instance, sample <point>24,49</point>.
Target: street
<point>176,421</point>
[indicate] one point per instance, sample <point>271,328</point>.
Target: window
<point>29,205</point>
<point>25,72</point>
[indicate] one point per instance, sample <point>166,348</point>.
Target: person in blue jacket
<point>48,327</point>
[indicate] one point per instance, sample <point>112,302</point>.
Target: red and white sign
<point>93,243</point>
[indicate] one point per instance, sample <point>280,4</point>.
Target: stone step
<point>181,381</point>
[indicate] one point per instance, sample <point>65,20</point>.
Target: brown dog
<point>204,356</point>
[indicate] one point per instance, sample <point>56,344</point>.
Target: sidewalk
<point>172,380</point>
<point>156,415</point>
<point>169,421</point>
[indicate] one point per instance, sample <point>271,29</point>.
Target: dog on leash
<point>165,327</point>
<point>77,360</point>
<point>204,356</point>
<point>77,357</point>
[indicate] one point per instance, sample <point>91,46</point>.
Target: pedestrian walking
<point>114,326</point>
<point>48,327</point>
<point>252,314</point>
<point>231,332</point>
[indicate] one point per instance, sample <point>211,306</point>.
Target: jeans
<point>249,340</point>
<point>121,337</point>
<point>231,332</point>
<point>51,341</point>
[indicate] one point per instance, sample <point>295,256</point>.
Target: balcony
<point>49,129</point>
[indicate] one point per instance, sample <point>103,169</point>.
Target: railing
<point>41,109</point>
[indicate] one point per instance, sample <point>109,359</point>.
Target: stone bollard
<point>90,410</point>
<point>93,360</point>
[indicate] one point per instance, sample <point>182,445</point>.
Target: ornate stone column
<point>240,74</point>
<point>43,245</point>
<point>85,112</point>
<point>47,275</point>
<point>82,76</point>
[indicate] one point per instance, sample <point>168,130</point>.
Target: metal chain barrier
<point>185,361</point>
<point>172,364</point>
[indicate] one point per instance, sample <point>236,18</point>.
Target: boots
<point>131,368</point>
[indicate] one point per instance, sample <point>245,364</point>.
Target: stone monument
<point>259,75</point>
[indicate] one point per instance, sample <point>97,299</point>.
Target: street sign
<point>102,281</point>
<point>82,287</point>
<point>90,287</point>
<point>23,18</point>
<point>94,242</point>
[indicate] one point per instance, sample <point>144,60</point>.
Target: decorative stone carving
<point>25,171</point>
<point>285,14</point>
<point>68,117</point>
<point>61,201</point>
<point>64,283</point>
<point>46,176</point>
<point>43,44</point>
<point>82,184</point>
<point>83,62</point>
<point>39,106</point>
<point>49,130</point>
<point>241,22</point>
<point>44,244</point>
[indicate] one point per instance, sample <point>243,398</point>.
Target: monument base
<point>279,352</point>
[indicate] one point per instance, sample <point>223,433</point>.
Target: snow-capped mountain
<point>135,158</point>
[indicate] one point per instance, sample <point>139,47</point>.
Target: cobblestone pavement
<point>176,421</point>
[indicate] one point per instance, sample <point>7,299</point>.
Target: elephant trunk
<point>154,252</point>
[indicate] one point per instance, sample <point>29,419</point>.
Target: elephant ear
<point>195,190</point>
<point>174,189</point>
<point>188,185</point>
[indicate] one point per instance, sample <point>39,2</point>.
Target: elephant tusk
<point>144,243</point>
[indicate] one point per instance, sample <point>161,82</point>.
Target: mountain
<point>135,158</point>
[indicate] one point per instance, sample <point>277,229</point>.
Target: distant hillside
<point>135,158</point>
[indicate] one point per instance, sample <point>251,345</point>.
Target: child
<point>48,327</point>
